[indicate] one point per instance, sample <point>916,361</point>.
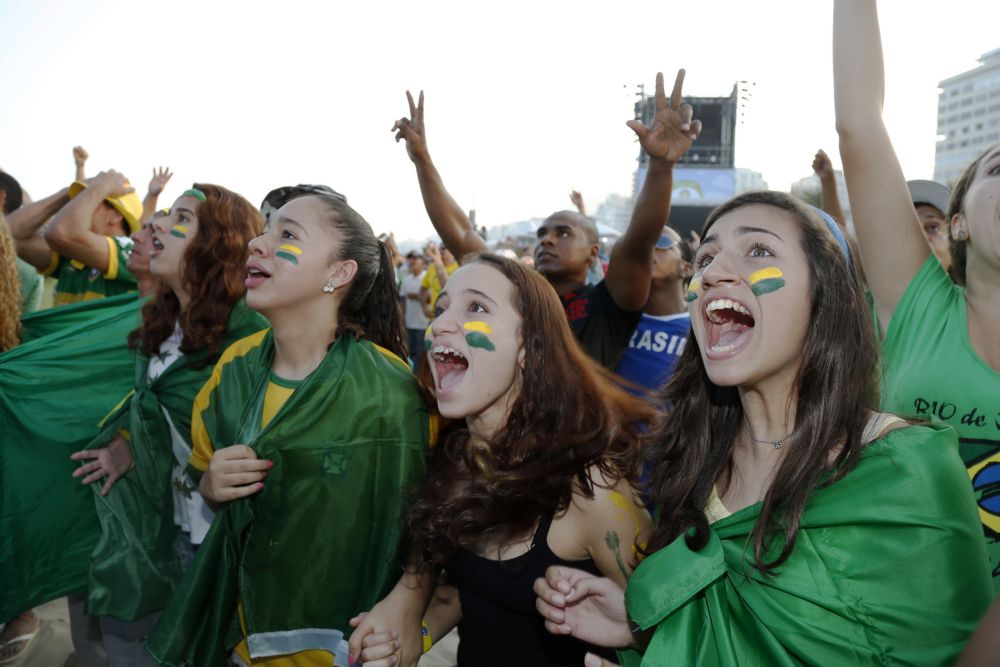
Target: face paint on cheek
<point>427,339</point>
<point>289,252</point>
<point>477,335</point>
<point>180,231</point>
<point>693,288</point>
<point>766,280</point>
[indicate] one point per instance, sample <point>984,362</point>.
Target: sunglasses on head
<point>666,242</point>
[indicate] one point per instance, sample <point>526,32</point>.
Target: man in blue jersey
<point>661,334</point>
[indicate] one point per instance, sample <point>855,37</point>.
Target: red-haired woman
<point>537,472</point>
<point>152,516</point>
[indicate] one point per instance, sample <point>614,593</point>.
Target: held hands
<point>384,638</point>
<point>672,130</point>
<point>577,603</point>
<point>412,130</point>
<point>80,155</point>
<point>161,176</point>
<point>112,462</point>
<point>234,472</point>
<point>822,165</point>
<point>110,183</point>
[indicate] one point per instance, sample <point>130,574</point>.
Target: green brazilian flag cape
<point>319,543</point>
<point>135,567</point>
<point>53,392</point>
<point>889,567</point>
<point>51,320</point>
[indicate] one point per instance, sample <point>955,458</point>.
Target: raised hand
<point>80,155</point>
<point>822,165</point>
<point>161,176</point>
<point>111,462</point>
<point>577,603</point>
<point>234,472</point>
<point>412,129</point>
<point>672,129</point>
<point>577,200</point>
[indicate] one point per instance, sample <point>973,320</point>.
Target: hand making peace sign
<point>672,129</point>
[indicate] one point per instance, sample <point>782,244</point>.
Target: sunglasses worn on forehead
<point>666,242</point>
<point>277,198</point>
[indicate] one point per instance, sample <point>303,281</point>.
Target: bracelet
<point>426,636</point>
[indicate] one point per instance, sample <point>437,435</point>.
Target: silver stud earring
<point>329,287</point>
<point>961,234</point>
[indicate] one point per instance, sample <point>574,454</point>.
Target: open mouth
<point>450,365</point>
<point>728,325</point>
<point>255,276</point>
<point>156,243</point>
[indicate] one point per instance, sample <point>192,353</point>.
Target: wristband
<point>425,633</point>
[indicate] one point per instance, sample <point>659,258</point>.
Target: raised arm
<point>448,218</point>
<point>892,247</point>
<point>829,199</point>
<point>71,232</point>
<point>665,141</point>
<point>80,156</point>
<point>25,227</point>
<point>161,177</point>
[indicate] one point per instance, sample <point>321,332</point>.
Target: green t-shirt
<point>933,373</point>
<point>79,282</point>
<point>31,287</point>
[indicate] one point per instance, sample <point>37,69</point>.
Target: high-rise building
<point>968,117</point>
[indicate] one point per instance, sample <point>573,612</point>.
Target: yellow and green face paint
<point>693,288</point>
<point>427,338</point>
<point>766,280</point>
<point>289,252</point>
<point>180,231</point>
<point>477,335</point>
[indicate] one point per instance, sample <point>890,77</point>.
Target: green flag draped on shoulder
<point>889,567</point>
<point>135,567</point>
<point>51,320</point>
<point>53,392</point>
<point>319,543</point>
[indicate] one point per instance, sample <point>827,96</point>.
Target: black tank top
<point>500,625</point>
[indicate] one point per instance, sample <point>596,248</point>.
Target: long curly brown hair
<point>10,291</point>
<point>214,274</point>
<point>835,392</point>
<point>570,415</point>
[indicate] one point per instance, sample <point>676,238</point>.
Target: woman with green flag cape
<point>308,435</point>
<point>150,512</point>
<point>796,524</point>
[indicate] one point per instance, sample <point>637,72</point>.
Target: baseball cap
<point>130,206</point>
<point>930,192</point>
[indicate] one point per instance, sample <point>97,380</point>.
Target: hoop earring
<point>329,287</point>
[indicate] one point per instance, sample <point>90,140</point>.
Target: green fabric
<point>31,286</point>
<point>44,322</point>
<point>889,567</point>
<point>319,543</point>
<point>933,372</point>
<point>53,392</point>
<point>135,567</point>
<point>78,282</point>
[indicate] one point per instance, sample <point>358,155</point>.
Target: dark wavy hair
<point>835,388</point>
<point>570,415</point>
<point>370,309</point>
<point>213,273</point>
<point>956,205</point>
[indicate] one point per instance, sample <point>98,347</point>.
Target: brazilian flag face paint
<point>180,231</point>
<point>766,280</point>
<point>693,287</point>
<point>427,338</point>
<point>289,252</point>
<point>477,335</point>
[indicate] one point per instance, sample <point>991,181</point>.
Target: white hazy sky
<point>525,100</point>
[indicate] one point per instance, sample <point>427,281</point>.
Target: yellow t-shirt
<point>278,392</point>
<point>432,283</point>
